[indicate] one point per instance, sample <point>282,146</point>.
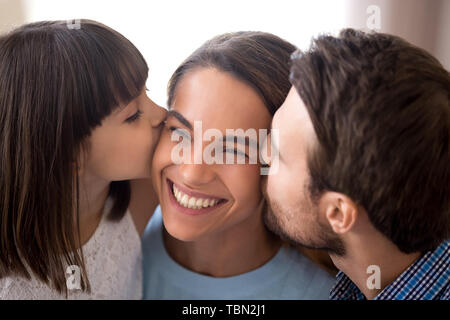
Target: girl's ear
<point>76,168</point>
<point>79,165</point>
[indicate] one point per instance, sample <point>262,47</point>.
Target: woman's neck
<point>239,249</point>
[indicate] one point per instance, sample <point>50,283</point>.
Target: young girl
<point>75,124</point>
<point>207,240</point>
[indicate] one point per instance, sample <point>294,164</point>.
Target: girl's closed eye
<point>134,117</point>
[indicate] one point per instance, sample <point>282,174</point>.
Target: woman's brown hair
<point>259,59</point>
<point>57,83</point>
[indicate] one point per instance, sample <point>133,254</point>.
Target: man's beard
<point>321,238</point>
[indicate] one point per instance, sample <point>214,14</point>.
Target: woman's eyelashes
<point>134,117</point>
<point>236,152</point>
<point>178,132</point>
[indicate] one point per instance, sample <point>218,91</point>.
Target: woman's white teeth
<point>192,202</point>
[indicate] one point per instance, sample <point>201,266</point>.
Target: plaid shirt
<point>428,278</point>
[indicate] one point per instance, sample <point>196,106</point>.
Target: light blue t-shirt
<point>288,275</point>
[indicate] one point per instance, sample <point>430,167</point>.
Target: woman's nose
<point>196,174</point>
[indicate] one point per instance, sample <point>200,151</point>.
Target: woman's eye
<point>134,117</point>
<point>179,132</point>
<point>236,152</point>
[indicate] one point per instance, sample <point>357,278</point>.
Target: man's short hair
<point>380,109</point>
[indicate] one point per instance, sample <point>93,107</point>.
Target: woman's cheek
<point>163,150</point>
<point>161,159</point>
<point>248,193</point>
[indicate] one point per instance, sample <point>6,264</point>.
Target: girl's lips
<point>192,212</point>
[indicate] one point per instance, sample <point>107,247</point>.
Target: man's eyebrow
<point>179,117</point>
<point>245,140</point>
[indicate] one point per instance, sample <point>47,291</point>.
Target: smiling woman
<point>207,240</point>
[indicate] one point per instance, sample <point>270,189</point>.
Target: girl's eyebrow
<point>122,107</point>
<point>179,117</point>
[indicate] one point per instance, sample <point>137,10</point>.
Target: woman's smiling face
<point>225,194</point>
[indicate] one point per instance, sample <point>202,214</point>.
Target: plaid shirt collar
<point>428,278</point>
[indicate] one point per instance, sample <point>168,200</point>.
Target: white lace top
<point>113,259</point>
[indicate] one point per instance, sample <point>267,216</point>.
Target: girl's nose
<point>157,115</point>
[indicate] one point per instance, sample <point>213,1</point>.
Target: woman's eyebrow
<point>179,117</point>
<point>245,140</point>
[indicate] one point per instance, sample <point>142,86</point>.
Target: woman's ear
<point>341,212</point>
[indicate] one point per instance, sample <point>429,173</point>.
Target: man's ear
<point>341,212</point>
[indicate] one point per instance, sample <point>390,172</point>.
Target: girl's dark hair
<point>57,83</point>
<point>259,59</point>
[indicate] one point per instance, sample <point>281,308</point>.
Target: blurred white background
<point>167,31</point>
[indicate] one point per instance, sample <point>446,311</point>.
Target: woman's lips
<point>192,203</point>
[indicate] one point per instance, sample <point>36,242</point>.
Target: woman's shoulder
<point>318,258</point>
<point>305,278</point>
<point>152,235</point>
